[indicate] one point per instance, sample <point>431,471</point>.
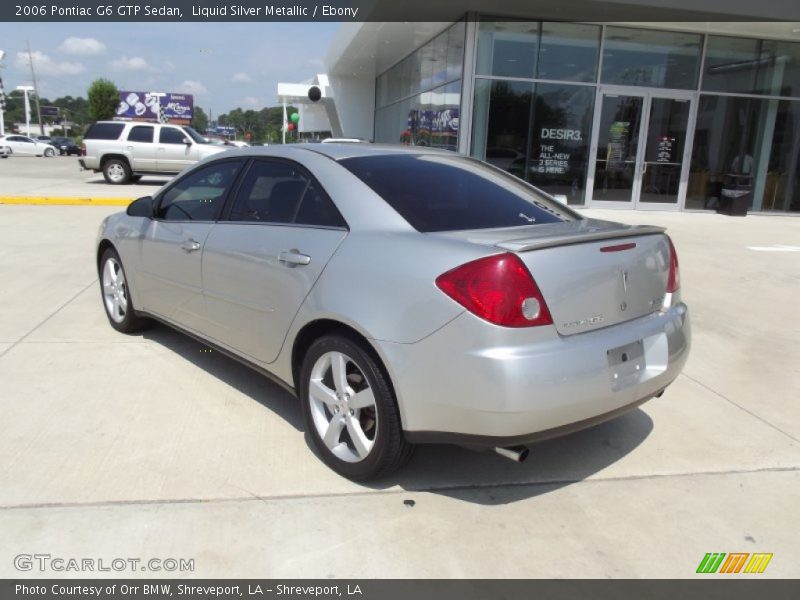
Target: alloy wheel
<point>343,407</point>
<point>115,290</point>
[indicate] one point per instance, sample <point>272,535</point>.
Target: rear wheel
<point>116,295</point>
<point>350,410</point>
<point>116,171</point>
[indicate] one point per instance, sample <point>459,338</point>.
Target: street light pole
<point>25,89</point>
<point>2,96</point>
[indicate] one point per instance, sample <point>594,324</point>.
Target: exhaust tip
<point>515,453</point>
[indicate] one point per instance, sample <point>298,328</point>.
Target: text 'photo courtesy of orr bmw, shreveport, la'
<point>405,295</point>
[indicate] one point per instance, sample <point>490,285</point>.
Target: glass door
<point>663,160</point>
<point>640,149</point>
<point>616,152</point>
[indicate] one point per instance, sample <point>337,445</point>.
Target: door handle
<point>190,245</point>
<point>294,258</point>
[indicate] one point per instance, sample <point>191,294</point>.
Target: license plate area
<point>627,364</point>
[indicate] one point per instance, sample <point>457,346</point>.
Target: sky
<point>224,65</point>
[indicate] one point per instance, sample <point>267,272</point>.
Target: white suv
<point>124,151</point>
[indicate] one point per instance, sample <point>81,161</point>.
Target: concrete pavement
<point>61,177</point>
<point>145,446</point>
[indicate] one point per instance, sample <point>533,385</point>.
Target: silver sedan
<point>405,296</point>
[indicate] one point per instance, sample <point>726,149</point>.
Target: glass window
<point>448,193</point>
<point>439,59</point>
<point>558,155</point>
<point>651,58</point>
<point>104,131</point>
<point>569,51</point>
<point>425,59</point>
<point>198,196</point>
<point>752,66</point>
<point>746,146</point>
<point>782,173</point>
<point>279,192</point>
<point>501,123</point>
<point>171,135</point>
<point>445,103</point>
<point>141,133</point>
<point>507,49</point>
<point>455,50</point>
<point>317,209</point>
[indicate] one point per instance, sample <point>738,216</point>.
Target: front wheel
<point>350,410</point>
<point>49,153</point>
<point>116,171</point>
<point>116,295</point>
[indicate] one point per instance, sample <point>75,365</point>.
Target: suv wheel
<point>116,171</point>
<point>350,410</point>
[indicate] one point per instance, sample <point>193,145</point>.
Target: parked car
<point>405,295</point>
<point>22,145</point>
<point>66,146</point>
<point>5,151</point>
<point>124,151</point>
<point>44,138</point>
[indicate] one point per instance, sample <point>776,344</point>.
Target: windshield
<point>449,193</point>
<point>196,137</point>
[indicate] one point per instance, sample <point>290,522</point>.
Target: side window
<point>199,195</point>
<point>141,133</point>
<point>104,131</point>
<point>170,135</point>
<point>271,192</point>
<point>317,209</point>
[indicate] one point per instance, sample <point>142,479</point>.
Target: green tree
<point>200,119</point>
<point>103,99</point>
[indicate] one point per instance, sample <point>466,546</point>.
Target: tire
<point>114,293</point>
<point>374,420</point>
<point>116,171</point>
<point>49,153</point>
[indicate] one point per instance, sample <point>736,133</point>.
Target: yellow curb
<point>65,200</point>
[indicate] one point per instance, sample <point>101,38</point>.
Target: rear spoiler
<point>538,243</point>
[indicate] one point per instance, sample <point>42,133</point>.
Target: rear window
<point>444,193</point>
<point>104,131</point>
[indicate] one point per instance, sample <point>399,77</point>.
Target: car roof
<point>339,151</point>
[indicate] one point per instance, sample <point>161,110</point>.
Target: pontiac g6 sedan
<point>405,296</point>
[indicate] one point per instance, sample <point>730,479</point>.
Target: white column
<point>283,129</point>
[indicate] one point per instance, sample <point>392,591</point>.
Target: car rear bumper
<point>477,384</point>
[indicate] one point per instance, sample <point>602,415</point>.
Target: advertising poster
<point>143,106</point>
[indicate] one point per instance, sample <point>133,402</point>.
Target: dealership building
<point>648,114</point>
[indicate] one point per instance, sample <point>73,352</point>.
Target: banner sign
<point>177,108</point>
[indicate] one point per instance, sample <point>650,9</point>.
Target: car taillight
<point>499,289</point>
<point>674,278</point>
<point>83,149</point>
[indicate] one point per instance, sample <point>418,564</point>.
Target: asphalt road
<point>146,446</point>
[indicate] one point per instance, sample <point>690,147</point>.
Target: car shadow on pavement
<point>144,182</point>
<point>243,379</point>
<point>488,478</point>
<point>476,477</point>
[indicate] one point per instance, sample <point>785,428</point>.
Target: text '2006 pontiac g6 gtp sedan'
<point>405,295</point>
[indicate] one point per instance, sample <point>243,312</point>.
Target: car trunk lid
<point>591,273</point>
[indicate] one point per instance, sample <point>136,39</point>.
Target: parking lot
<point>148,446</point>
<point>61,176</point>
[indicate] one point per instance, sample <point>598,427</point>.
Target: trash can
<point>736,195</point>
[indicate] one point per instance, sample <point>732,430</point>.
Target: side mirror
<point>187,141</point>
<point>143,207</point>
